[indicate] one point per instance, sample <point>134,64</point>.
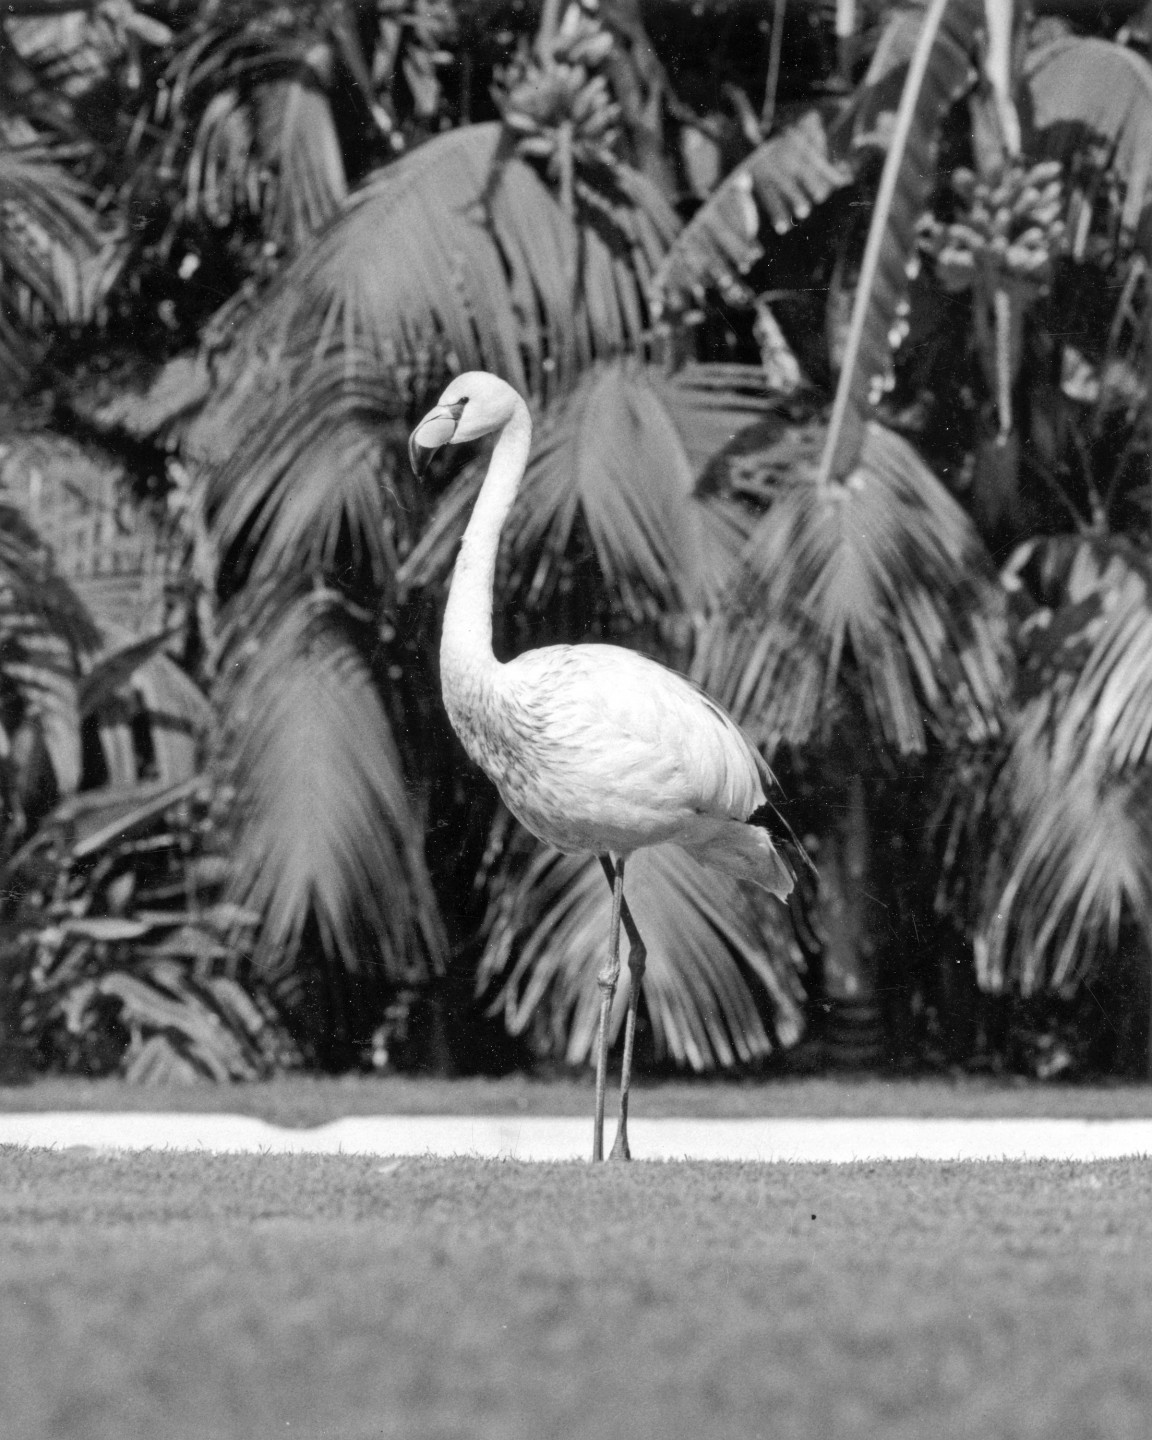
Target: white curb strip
<point>569,1138</point>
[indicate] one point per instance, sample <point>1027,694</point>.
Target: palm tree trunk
<point>848,922</point>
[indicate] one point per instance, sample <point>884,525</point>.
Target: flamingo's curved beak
<point>436,429</point>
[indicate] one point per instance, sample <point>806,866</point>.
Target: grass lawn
<point>311,1100</point>
<point>171,1296</point>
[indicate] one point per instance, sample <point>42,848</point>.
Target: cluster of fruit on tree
<point>1008,226</point>
<point>558,100</point>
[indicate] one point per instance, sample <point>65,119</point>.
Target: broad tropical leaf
<point>135,683</point>
<point>183,1026</point>
<point>178,715</point>
<point>76,50</point>
<point>940,67</point>
<point>779,183</point>
<point>717,960</point>
<point>114,669</point>
<point>884,567</point>
<point>157,409</point>
<point>623,455</point>
<point>95,820</point>
<point>1094,98</point>
<point>325,828</point>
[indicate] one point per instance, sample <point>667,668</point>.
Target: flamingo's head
<point>474,404</point>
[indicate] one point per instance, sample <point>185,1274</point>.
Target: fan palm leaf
<point>284,478</point>
<point>325,828</point>
<point>249,108</point>
<point>716,960</point>
<point>1061,818</point>
<point>449,255</point>
<point>885,568</point>
<point>624,455</point>
<point>1076,841</point>
<point>455,254</point>
<point>1089,655</point>
<point>276,154</point>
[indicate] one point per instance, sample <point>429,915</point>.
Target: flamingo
<point>591,747</point>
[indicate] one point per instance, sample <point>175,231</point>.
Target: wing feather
<point>636,722</point>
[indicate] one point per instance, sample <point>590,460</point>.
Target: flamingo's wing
<point>632,723</point>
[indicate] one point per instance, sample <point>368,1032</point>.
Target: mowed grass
<point>304,1100</point>
<point>168,1295</point>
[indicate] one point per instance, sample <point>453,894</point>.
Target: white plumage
<point>591,747</point>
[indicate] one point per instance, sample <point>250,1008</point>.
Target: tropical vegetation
<point>834,322</point>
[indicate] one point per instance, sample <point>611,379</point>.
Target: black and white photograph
<point>576,719</point>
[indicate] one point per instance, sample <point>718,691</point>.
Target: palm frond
<point>299,135</point>
<point>56,259</point>
<point>138,685</point>
<point>44,630</point>
<point>325,828</point>
<point>1070,857</point>
<point>286,476</point>
<point>35,588</point>
<point>885,568</point>
<point>624,454</point>
<point>223,175</point>
<point>1088,656</point>
<point>178,715</point>
<point>1059,822</point>
<point>716,960</point>
<point>780,183</point>
<point>120,561</point>
<point>102,576</point>
<point>455,254</point>
<point>1090,96</point>
<point>452,255</point>
<point>940,67</point>
<point>274,154</point>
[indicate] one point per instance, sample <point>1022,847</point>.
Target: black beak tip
<point>419,456</point>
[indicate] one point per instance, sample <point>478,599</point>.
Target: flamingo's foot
<point>620,1150</point>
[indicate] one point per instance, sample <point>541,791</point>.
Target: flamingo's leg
<point>606,980</point>
<point>637,956</point>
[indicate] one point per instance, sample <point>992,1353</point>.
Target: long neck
<point>466,644</point>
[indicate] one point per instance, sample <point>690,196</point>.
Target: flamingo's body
<point>592,748</point>
<point>597,748</point>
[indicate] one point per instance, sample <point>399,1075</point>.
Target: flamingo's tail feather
<point>745,852</point>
